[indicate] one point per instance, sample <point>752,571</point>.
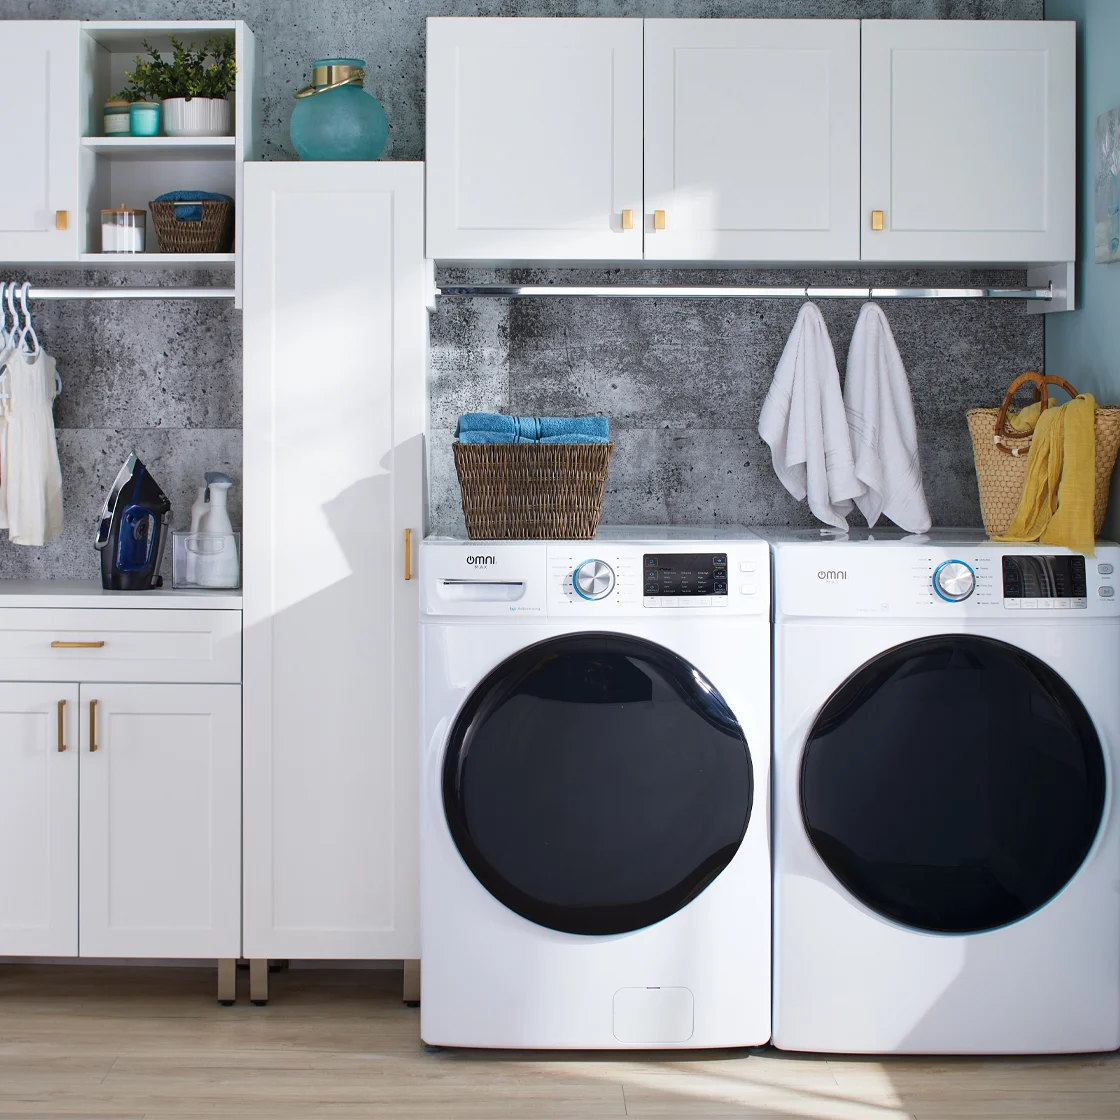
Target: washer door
<point>596,783</point>
<point>953,784</point>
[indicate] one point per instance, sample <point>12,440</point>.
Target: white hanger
<point>3,318</point>
<point>28,329</point>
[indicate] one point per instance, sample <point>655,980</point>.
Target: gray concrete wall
<point>681,382</point>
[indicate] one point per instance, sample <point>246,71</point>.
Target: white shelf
<point>162,147</point>
<point>88,593</point>
<point>158,260</point>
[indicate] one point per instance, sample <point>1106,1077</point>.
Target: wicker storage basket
<point>213,234</point>
<point>1001,455</point>
<point>517,491</point>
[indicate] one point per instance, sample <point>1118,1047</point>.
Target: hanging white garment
<point>881,421</point>
<point>803,421</point>
<point>32,475</point>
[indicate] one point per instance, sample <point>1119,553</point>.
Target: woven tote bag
<point>1001,454</point>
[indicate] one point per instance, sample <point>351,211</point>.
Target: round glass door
<point>596,783</point>
<point>953,784</point>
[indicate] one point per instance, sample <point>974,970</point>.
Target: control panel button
<point>1028,604</point>
<point>1104,569</point>
<point>954,581</point>
<point>748,588</point>
<point>747,566</point>
<point>1106,592</point>
<point>1011,604</point>
<point>593,579</point>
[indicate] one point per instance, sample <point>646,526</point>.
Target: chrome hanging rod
<point>714,291</point>
<point>130,293</point>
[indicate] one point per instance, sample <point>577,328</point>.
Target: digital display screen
<point>684,573</point>
<point>1044,577</point>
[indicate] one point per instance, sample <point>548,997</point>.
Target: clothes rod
<point>712,291</point>
<point>130,293</point>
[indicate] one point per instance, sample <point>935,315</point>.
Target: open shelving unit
<point>133,170</point>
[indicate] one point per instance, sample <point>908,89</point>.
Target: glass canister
<point>143,118</point>
<point>122,230</point>
<point>334,117</point>
<point>116,117</point>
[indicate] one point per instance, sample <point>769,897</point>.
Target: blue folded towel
<point>494,427</point>
<point>191,213</point>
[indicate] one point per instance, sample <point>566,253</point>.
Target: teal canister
<point>334,117</point>
<point>143,118</point>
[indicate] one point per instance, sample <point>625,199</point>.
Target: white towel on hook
<point>803,421</point>
<point>881,421</point>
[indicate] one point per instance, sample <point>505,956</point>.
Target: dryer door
<point>596,783</point>
<point>953,784</point>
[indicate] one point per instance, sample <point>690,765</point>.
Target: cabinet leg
<point>411,995</point>
<point>227,981</point>
<point>258,981</point>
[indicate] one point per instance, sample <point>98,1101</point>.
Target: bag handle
<point>1039,381</point>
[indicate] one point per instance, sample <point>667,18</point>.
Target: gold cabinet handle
<point>76,645</point>
<point>876,219</point>
<point>93,725</point>
<point>61,219</point>
<point>408,554</point>
<point>627,219</point>
<point>61,726</point>
<point>659,219</point>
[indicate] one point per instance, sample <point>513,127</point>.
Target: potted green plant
<point>191,89</point>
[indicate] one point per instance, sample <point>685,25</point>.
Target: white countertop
<point>77,593</point>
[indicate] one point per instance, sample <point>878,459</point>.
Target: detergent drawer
<point>135,645</point>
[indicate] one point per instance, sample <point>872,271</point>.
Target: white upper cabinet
<point>39,182</point>
<point>534,139</point>
<point>969,132</point>
<point>752,139</point>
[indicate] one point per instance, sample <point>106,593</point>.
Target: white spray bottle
<point>197,511</point>
<point>218,563</point>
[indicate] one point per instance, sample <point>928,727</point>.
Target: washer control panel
<point>1035,582</point>
<point>699,577</point>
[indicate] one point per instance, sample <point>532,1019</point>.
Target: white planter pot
<point>200,116</point>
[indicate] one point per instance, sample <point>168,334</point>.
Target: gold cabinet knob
<point>876,219</point>
<point>627,219</point>
<point>659,219</point>
<point>61,219</point>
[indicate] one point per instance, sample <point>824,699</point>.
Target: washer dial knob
<point>954,580</point>
<point>593,579</point>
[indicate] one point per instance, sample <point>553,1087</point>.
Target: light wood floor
<point>117,1042</point>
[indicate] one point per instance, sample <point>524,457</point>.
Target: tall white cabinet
<point>335,359</point>
<point>969,136</point>
<point>752,139</point>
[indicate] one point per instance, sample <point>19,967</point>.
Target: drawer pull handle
<point>408,554</point>
<point>92,725</point>
<point>76,645</point>
<point>61,726</point>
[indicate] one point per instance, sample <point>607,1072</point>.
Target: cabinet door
<point>534,139</point>
<point>39,183</point>
<point>969,134</point>
<point>160,853</point>
<point>752,139</point>
<point>39,820</point>
<point>334,421</point>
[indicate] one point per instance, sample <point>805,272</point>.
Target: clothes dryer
<point>946,842</point>
<point>595,866</point>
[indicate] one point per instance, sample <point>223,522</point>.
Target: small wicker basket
<point>522,491</point>
<point>1001,454</point>
<point>212,234</point>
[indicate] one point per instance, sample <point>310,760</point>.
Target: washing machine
<point>595,868</point>
<point>946,844</point>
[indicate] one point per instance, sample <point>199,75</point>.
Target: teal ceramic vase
<point>334,117</point>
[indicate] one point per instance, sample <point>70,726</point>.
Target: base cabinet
<point>38,819</point>
<point>160,811</point>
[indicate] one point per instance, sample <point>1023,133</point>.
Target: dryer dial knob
<point>593,579</point>
<point>954,581</point>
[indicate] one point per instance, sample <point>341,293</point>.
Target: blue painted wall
<point>1083,346</point>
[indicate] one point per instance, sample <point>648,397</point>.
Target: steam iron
<point>132,531</point>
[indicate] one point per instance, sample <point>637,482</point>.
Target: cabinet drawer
<point>120,645</point>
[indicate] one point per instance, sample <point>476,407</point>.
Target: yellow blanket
<point>1057,503</point>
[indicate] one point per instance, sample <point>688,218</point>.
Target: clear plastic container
<point>210,560</point>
